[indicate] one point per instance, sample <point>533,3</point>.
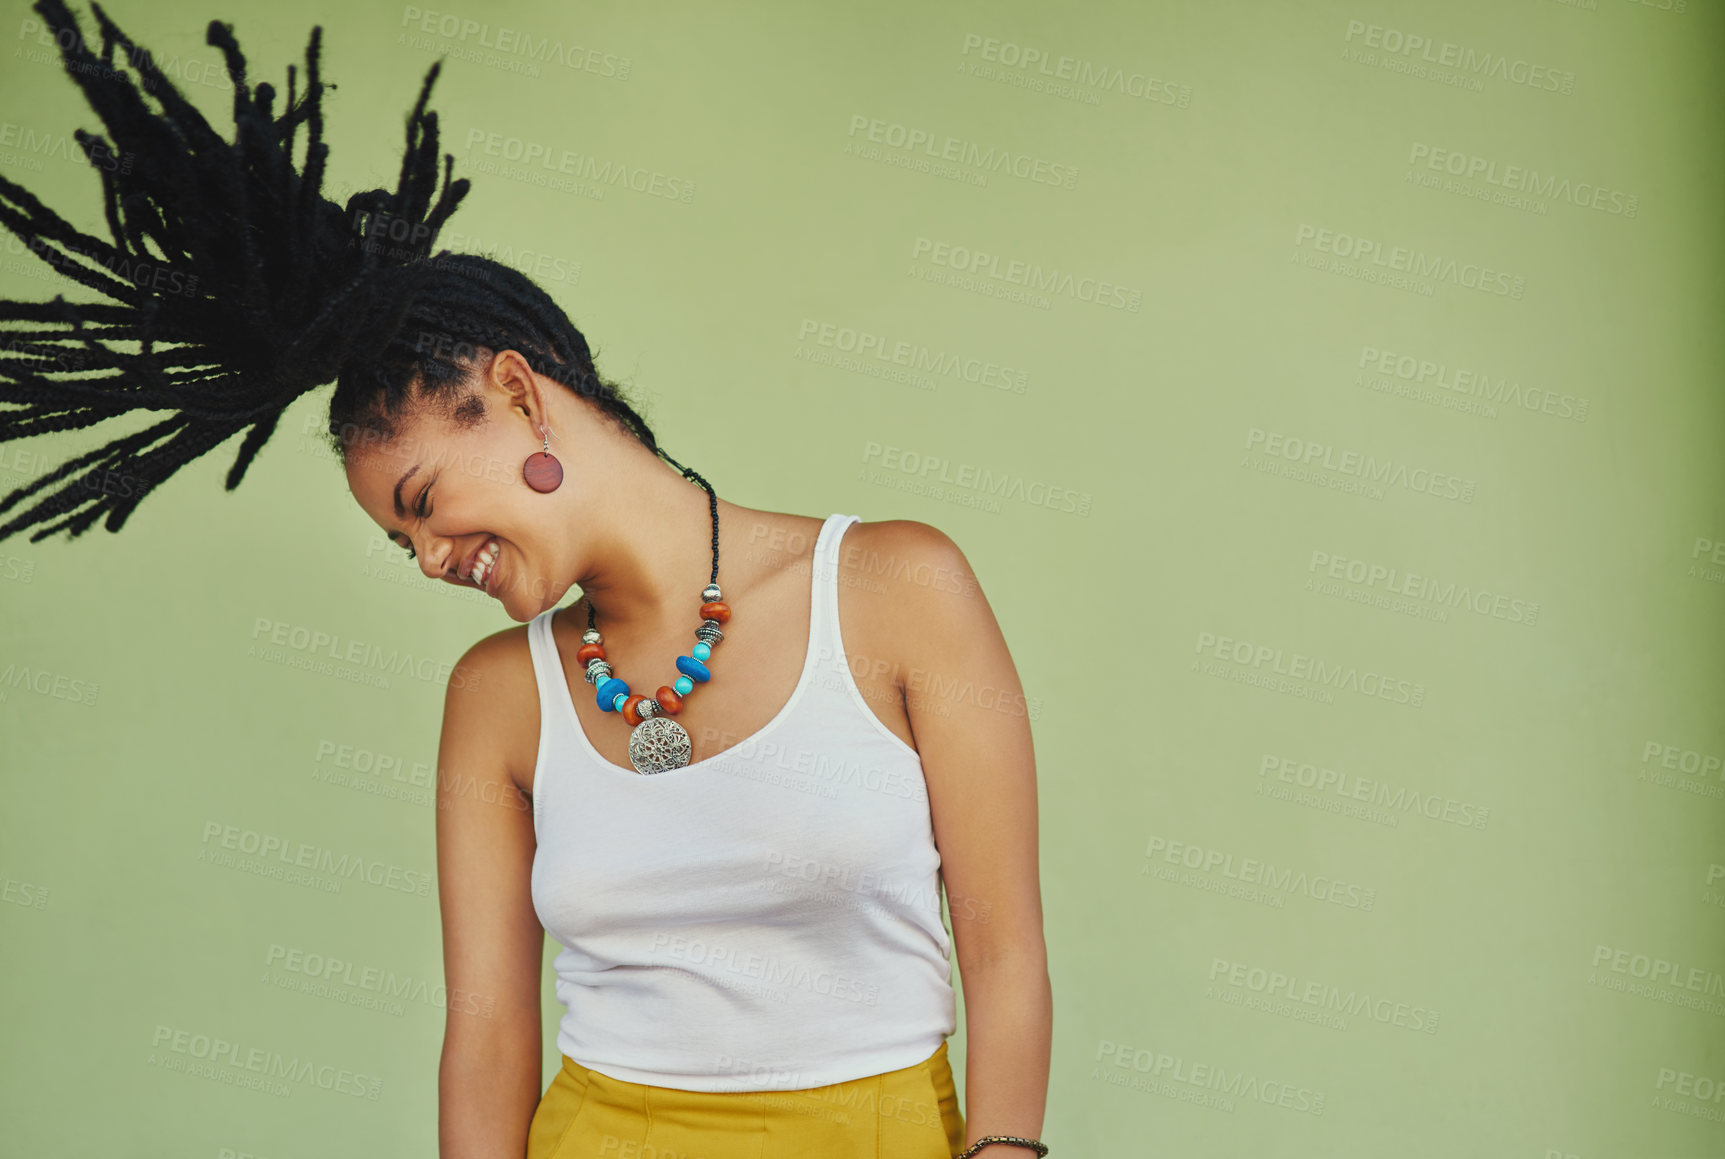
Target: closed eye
<point>420,510</point>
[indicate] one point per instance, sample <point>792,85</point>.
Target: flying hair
<point>233,286</point>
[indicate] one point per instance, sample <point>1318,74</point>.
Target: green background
<point>1497,646</point>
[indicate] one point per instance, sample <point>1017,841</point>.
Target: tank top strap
<point>825,640</point>
<point>547,670</point>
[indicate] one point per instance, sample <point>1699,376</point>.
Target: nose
<point>436,557</point>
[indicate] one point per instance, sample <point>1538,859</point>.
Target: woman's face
<point>464,511</point>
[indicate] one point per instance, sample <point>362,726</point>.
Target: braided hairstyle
<point>468,307</point>
<point>235,286</point>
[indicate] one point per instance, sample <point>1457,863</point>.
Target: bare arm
<point>488,1077</point>
<point>967,710</point>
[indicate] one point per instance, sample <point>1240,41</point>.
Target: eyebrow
<point>399,509</point>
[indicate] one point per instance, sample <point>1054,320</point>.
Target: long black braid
<point>237,286</point>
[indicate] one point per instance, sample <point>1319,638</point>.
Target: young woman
<point>732,787</point>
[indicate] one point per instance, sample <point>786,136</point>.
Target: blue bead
<point>683,685</point>
<point>618,701</point>
<point>691,667</point>
<point>609,689</point>
<point>701,651</point>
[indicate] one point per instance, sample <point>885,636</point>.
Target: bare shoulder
<point>494,665</point>
<point>914,584</point>
<point>493,699</point>
<point>906,559</point>
<point>499,649</point>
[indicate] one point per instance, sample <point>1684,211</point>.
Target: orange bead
<point>668,699</point>
<point>629,706</point>
<point>716,611</point>
<point>590,652</point>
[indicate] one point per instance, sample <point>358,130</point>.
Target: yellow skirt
<point>903,1114</point>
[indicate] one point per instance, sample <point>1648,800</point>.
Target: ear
<point>510,374</point>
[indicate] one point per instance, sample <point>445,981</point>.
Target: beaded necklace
<point>659,743</point>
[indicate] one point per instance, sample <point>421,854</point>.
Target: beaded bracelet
<point>1040,1148</point>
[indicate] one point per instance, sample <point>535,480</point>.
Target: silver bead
<point>709,632</point>
<point>709,593</point>
<point>597,670</point>
<point>647,708</point>
<point>590,636</point>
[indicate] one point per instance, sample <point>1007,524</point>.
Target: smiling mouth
<point>484,563</point>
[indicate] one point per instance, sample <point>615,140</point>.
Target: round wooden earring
<point>542,470</point>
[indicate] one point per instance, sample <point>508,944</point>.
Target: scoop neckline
<point>796,693</point>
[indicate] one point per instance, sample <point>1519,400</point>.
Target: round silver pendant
<point>657,744</point>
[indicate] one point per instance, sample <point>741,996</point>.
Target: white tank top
<point>764,919</point>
